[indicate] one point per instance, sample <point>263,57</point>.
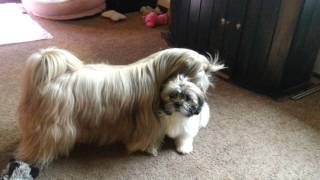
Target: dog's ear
<point>34,172</point>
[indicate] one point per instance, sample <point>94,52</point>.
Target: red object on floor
<point>152,19</point>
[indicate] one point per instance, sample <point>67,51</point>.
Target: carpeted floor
<point>249,136</point>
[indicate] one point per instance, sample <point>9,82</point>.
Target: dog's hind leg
<point>46,132</point>
<point>154,147</point>
<point>47,125</point>
<point>40,147</point>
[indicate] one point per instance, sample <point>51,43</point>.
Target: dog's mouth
<point>193,111</point>
<point>189,111</point>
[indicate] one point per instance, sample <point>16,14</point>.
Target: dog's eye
<point>173,95</point>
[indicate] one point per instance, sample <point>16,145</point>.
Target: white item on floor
<point>114,15</point>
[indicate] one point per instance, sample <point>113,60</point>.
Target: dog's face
<point>182,96</point>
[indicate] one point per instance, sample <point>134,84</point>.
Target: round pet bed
<point>63,9</point>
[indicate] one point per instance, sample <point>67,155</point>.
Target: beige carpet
<point>249,136</point>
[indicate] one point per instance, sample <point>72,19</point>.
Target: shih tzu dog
<point>65,101</point>
<point>183,112</point>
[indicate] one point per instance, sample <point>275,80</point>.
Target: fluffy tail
<point>214,65</point>
<point>45,66</point>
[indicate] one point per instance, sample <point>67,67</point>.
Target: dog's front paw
<point>185,149</point>
<point>184,145</point>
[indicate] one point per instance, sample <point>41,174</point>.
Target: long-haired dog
<point>65,102</point>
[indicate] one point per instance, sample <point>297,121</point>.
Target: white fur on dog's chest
<point>177,125</point>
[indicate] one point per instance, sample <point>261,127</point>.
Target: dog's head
<point>182,96</point>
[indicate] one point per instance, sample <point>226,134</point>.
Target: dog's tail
<point>47,64</point>
<point>214,64</point>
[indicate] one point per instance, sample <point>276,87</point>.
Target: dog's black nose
<point>177,104</point>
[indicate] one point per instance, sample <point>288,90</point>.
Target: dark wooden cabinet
<point>305,46</point>
<point>268,45</point>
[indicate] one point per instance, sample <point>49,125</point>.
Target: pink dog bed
<point>63,9</point>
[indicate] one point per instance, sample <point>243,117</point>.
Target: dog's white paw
<point>184,145</point>
<point>185,148</point>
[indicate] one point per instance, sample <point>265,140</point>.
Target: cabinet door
<point>235,14</point>
<point>256,40</point>
<point>191,23</point>
<point>282,40</point>
<point>218,19</point>
<point>179,22</point>
<point>228,18</point>
<point>304,48</point>
<point>204,26</point>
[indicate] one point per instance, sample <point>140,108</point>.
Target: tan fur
<point>65,102</point>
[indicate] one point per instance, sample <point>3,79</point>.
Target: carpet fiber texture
<point>249,136</point>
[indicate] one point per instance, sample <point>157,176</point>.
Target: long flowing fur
<point>65,102</point>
